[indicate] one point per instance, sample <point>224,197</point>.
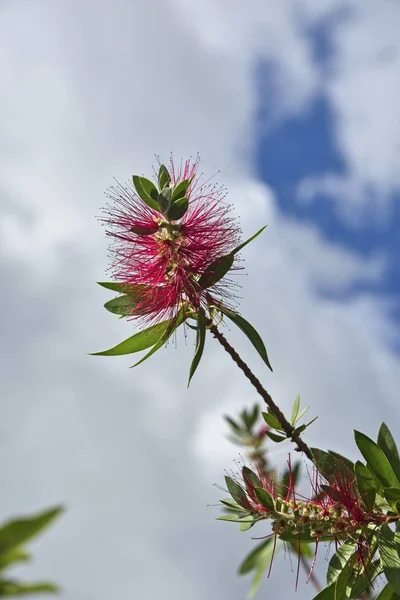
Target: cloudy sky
<point>296,104</point>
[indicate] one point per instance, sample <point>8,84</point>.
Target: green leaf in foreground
<point>16,532</point>
<point>258,560</point>
<point>175,323</point>
<point>387,594</point>
<point>13,588</point>
<point>388,543</point>
<point>376,460</point>
<point>366,484</point>
<point>388,445</point>
<point>249,332</point>
<point>147,191</point>
<point>200,341</point>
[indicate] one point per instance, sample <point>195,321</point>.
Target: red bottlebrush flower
<point>165,258</point>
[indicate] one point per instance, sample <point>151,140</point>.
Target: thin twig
<point>286,426</point>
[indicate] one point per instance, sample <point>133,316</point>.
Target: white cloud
<point>362,86</point>
<point>91,91</point>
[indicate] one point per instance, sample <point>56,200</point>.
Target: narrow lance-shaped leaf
<point>376,460</point>
<point>216,271</point>
<point>388,445</point>
<point>366,484</point>
<point>139,341</point>
<point>164,177</point>
<point>265,498</point>
<point>237,493</point>
<point>389,552</point>
<point>200,341</point>
<point>295,410</point>
<point>253,237</point>
<point>126,304</point>
<point>14,588</point>
<point>173,326</point>
<point>387,594</point>
<point>249,332</point>
<point>16,532</point>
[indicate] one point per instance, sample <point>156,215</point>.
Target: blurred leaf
<point>366,484</point>
<point>147,191</point>
<point>164,177</point>
<point>387,594</point>
<point>251,561</point>
<point>253,237</point>
<point>388,543</point>
<point>16,532</point>
<point>177,209</point>
<point>216,271</point>
<point>249,332</point>
<point>139,341</point>
<point>295,410</point>
<point>262,563</point>
<point>15,555</point>
<point>13,588</point>
<point>234,426</point>
<point>200,341</point>
<point>331,466</point>
<point>376,460</point>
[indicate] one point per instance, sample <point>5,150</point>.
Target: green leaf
<point>13,588</point>
<point>250,479</point>
<point>15,555</point>
<point>376,460</point>
<point>366,484</point>
<point>301,413</point>
<point>392,495</point>
<point>332,466</point>
<point>275,438</point>
<point>123,288</point>
<point>265,498</point>
<point>214,272</point>
<point>253,237</point>
<point>389,552</point>
<point>124,305</point>
<point>147,191</point>
<point>164,178</point>
<point>237,493</point>
<point>249,332</point>
<point>142,230</point>
<point>262,563</point>
<point>139,341</point>
<point>251,561</point>
<point>295,410</point>
<point>180,190</point>
<point>234,426</point>
<point>388,445</point>
<point>231,504</point>
<point>177,209</point>
<point>339,560</point>
<point>173,326</point>
<point>164,200</point>
<point>387,594</point>
<point>200,341</point>
<point>16,532</point>
<point>272,421</point>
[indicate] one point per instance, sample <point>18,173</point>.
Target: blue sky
<point>304,145</point>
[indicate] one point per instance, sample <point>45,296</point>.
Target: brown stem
<point>286,426</point>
